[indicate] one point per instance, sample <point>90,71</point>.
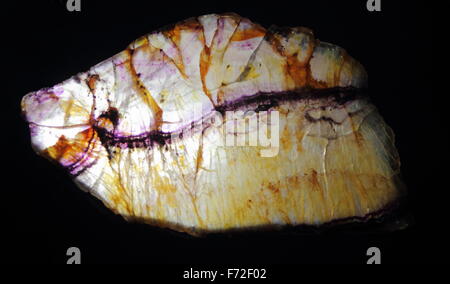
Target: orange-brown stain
<point>199,160</point>
<point>274,41</point>
<point>53,96</point>
<point>299,135</point>
<point>174,34</point>
<point>273,187</point>
<point>205,62</point>
<point>286,142</point>
<point>67,150</point>
<point>255,31</point>
<point>278,202</point>
<point>92,81</point>
<point>293,182</point>
<point>297,71</point>
<point>359,139</point>
<point>314,181</point>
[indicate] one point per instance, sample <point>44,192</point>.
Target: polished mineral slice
<point>217,123</point>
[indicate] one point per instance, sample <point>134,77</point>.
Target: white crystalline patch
<point>191,47</point>
<point>179,102</point>
<point>234,91</point>
<point>338,115</point>
<point>238,53</point>
<point>352,74</point>
<point>104,85</point>
<point>158,40</point>
<point>136,116</point>
<point>180,111</point>
<point>326,63</point>
<point>267,70</point>
<point>333,122</point>
<point>156,71</point>
<point>44,137</point>
<point>319,68</point>
<point>209,23</point>
<point>225,29</point>
<point>214,77</point>
<point>68,103</point>
<point>329,65</point>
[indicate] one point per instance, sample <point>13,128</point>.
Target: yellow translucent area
<point>312,180</point>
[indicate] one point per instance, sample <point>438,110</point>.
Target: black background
<point>45,213</point>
